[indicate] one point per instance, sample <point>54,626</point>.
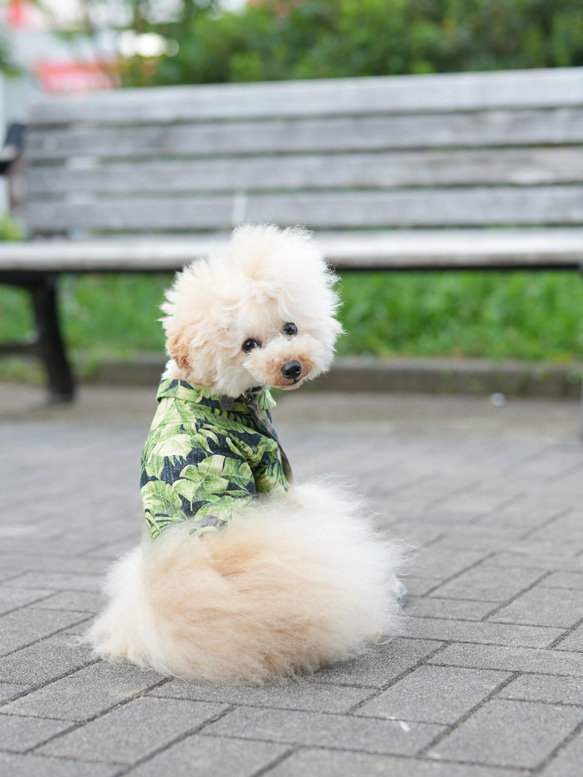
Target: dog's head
<point>260,312</point>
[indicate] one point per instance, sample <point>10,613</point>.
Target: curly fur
<point>292,584</point>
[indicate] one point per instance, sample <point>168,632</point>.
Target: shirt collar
<point>180,389</point>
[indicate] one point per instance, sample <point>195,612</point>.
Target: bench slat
<point>328,171</point>
<point>496,128</point>
<point>446,207</point>
<point>440,93</point>
<point>511,248</point>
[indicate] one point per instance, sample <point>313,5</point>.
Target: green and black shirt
<point>205,459</point>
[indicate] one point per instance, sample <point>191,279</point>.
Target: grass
<point>518,315</point>
<point>495,315</point>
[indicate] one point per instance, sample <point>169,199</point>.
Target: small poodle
<point>244,576</point>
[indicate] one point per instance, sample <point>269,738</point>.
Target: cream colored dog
<point>243,576</point>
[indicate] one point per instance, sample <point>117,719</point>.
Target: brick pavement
<point>486,681</point>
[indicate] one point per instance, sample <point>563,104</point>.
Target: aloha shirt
<point>206,459</point>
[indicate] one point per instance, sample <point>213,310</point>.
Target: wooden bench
<point>475,170</point>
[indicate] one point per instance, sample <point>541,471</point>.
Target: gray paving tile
<point>567,528</point>
<point>526,555</point>
<point>382,664</point>
<point>491,734</point>
<point>489,583</point>
<point>444,562</point>
<point>561,663</point>
<point>51,564</point>
<point>325,763</point>
<point>482,633</point>
<point>572,580</point>
<point>293,695</point>
<point>198,756</point>
<point>568,761</point>
<point>325,730</point>
<point>544,607</point>
<point>434,694</point>
<point>545,688</point>
<point>62,581</point>
<point>32,766</point>
<point>19,733</point>
<point>9,691</point>
<point>13,598</point>
<point>574,641</point>
<point>77,601</point>
<point>85,693</point>
<point>133,731</point>
<point>28,624</point>
<point>45,660</point>
<point>448,609</point>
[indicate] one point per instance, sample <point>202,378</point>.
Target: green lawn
<point>521,315</point>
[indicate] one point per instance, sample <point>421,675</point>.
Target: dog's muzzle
<point>291,371</point>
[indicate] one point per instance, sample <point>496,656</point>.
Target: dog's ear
<point>177,347</point>
<point>191,351</point>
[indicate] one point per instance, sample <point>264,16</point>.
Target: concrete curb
<point>404,375</point>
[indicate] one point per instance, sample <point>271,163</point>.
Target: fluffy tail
<point>292,586</point>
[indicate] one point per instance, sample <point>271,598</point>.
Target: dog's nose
<point>291,370</point>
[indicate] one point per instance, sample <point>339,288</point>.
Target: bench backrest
<point>463,150</point>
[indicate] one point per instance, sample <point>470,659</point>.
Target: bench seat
<point>510,249</point>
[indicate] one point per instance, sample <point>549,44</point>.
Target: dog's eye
<point>250,344</point>
<point>290,329</point>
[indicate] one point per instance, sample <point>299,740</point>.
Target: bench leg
<point>50,341</point>
<point>48,344</point>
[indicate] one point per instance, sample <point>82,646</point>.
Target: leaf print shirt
<point>204,463</point>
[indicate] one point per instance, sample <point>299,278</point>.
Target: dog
<point>244,576</point>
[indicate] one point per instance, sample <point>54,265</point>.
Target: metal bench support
<point>47,344</point>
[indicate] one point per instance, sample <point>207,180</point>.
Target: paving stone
<point>85,693</point>
<point>417,585</point>
<point>568,528</point>
<point>44,660</point>
<point>568,761</point>
<point>32,766</point>
<point>21,627</point>
<point>434,694</point>
<point>572,580</point>
<point>482,633</point>
<point>511,659</point>
<point>62,581</point>
<point>491,734</point>
<point>488,583</point>
<point>293,695</point>
<point>443,563</point>
<point>9,691</point>
<point>574,641</point>
<point>525,556</point>
<point>448,609</point>
<point>382,664</point>
<point>325,730</point>
<point>78,601</point>
<point>132,731</point>
<point>545,688</point>
<point>13,598</point>
<point>198,756</point>
<point>19,733</point>
<point>326,763</point>
<point>543,606</point>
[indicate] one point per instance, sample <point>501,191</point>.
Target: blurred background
<point>78,46</point>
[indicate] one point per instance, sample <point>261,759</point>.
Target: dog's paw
<point>399,590</point>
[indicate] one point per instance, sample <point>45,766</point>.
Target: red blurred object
<point>16,13</point>
<point>75,77</point>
